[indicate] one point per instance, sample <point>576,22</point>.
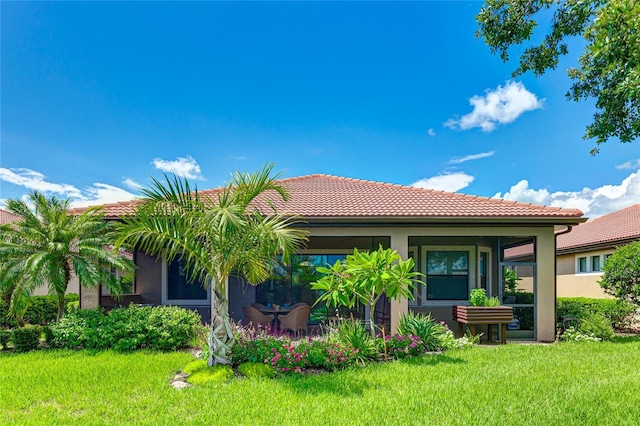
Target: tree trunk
<point>372,320</point>
<point>60,306</point>
<point>221,338</point>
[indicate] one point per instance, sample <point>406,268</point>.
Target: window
<point>177,289</point>
<point>484,269</point>
<point>447,275</point>
<point>591,264</point>
<point>582,264</point>
<point>291,282</point>
<point>127,282</point>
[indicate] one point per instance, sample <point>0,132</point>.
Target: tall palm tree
<point>215,236</point>
<point>47,246</point>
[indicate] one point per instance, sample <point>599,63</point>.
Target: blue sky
<point>97,98</point>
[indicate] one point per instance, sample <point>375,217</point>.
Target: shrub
<point>596,324</point>
<point>289,359</point>
<point>354,335</point>
<point>478,297</point>
<point>217,374</point>
<point>572,335</point>
<point>26,338</point>
<point>620,313</point>
<point>258,350</point>
<point>621,277</point>
<point>41,310</point>
<point>255,370</point>
<point>125,329</point>
<point>339,356</point>
<point>423,326</point>
<point>399,346</point>
<point>5,336</point>
<point>448,340</point>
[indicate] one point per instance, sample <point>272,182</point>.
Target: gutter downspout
<point>555,268</point>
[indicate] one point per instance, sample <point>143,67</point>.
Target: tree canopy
<point>48,246</point>
<point>608,69</point>
<point>621,277</point>
<point>215,235</point>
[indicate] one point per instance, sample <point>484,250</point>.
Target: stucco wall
<point>72,287</point>
<point>570,284</point>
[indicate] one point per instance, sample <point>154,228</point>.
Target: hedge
<point>41,311</point>
<point>126,329</point>
<point>619,313</point>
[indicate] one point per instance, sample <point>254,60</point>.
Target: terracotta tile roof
<point>324,196</point>
<point>6,217</point>
<point>617,227</point>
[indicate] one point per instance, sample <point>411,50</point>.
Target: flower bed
<point>342,346</point>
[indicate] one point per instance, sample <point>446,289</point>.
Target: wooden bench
<point>485,315</point>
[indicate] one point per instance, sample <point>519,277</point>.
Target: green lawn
<point>564,384</point>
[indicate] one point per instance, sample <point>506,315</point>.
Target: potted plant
<point>483,310</point>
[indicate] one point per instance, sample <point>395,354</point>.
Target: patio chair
<point>258,306</point>
<point>297,305</point>
<point>296,320</point>
<point>255,318</point>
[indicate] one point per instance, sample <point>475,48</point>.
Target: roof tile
<point>620,225</point>
<point>326,196</point>
<point>7,217</point>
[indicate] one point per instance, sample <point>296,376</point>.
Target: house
<point>582,252</point>
<point>458,241</point>
<point>7,217</point>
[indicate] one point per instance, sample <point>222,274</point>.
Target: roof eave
<point>601,245</point>
<point>560,222</point>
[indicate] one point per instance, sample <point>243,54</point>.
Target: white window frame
<point>472,259</point>
<point>602,255</point>
<point>180,302</point>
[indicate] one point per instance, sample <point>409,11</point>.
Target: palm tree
<point>47,246</point>
<point>215,236</point>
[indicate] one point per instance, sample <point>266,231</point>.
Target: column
<point>400,243</point>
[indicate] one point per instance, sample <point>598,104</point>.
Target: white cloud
<point>130,183</point>
<point>98,193</point>
<point>431,132</point>
<point>33,180</point>
<point>458,160</point>
<point>629,165</point>
<point>186,167</point>
<point>237,157</point>
<point>500,106</point>
<point>102,193</point>
<point>450,182</point>
<point>593,202</point>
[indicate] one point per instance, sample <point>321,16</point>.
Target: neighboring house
<point>582,252</point>
<point>458,242</point>
<point>74,285</point>
<point>6,217</point>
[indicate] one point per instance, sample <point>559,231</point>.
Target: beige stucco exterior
<point>72,287</point>
<point>574,284</point>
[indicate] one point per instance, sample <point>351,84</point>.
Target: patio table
<point>275,312</point>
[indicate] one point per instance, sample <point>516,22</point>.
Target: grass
<point>566,383</point>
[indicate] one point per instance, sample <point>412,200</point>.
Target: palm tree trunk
<point>60,306</point>
<point>221,338</point>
